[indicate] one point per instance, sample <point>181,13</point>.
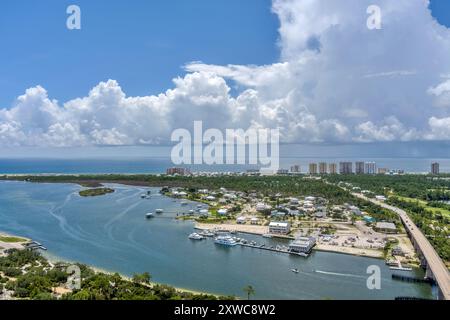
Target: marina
<point>110,233</point>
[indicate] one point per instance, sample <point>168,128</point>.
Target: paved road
<point>435,263</point>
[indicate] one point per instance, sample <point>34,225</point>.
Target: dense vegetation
<point>289,186</point>
<point>434,226</point>
<point>423,187</point>
<point>28,275</point>
<point>95,192</point>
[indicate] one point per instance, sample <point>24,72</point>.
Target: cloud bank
<point>336,81</point>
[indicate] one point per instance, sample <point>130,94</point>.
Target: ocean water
<point>154,165</point>
<point>111,232</point>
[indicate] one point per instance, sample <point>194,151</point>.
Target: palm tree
<point>249,290</point>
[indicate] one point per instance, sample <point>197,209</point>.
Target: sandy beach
<point>371,253</point>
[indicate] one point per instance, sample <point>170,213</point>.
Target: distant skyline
<point>135,72</point>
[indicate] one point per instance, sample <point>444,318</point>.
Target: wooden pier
<point>264,247</point>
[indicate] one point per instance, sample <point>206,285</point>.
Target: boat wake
<point>348,275</point>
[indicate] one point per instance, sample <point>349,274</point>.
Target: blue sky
<point>142,44</point>
<point>236,63</point>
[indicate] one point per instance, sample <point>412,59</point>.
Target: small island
<point>95,192</point>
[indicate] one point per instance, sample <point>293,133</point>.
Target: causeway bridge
<point>435,267</point>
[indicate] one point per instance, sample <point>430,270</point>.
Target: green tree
<point>249,290</point>
<point>142,278</point>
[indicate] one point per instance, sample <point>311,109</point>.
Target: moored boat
<point>225,241</point>
<point>196,236</point>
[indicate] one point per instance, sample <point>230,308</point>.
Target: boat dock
<point>411,279</point>
<point>264,247</point>
<point>34,245</point>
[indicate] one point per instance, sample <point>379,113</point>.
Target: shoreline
<point>261,230</point>
<point>55,259</point>
<point>52,258</point>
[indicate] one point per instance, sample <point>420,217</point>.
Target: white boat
<point>225,241</point>
<point>196,236</point>
<point>159,211</point>
<point>149,215</point>
<point>207,233</point>
<point>295,270</point>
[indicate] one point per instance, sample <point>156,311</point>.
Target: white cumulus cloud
<point>336,80</point>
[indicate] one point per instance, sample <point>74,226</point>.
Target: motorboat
<point>196,236</point>
<point>225,241</point>
<point>149,215</point>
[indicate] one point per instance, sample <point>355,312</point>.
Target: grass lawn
<point>11,239</point>
<point>424,204</point>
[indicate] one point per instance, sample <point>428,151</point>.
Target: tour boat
<point>226,241</point>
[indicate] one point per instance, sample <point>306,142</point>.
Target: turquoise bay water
<point>111,232</point>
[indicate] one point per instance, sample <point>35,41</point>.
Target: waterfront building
<point>177,171</point>
<point>386,227</point>
<point>323,168</point>
<point>332,168</point>
<point>359,167</point>
<point>279,227</point>
<point>345,167</point>
<point>295,169</point>
<point>435,168</point>
<point>383,170</point>
<point>282,171</point>
<point>302,244</point>
<point>313,168</point>
<point>371,168</point>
